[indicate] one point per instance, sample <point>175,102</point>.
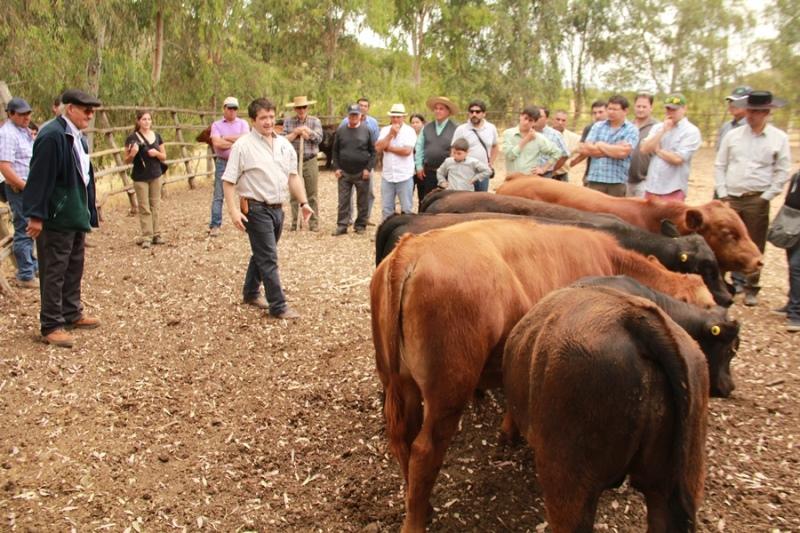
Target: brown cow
<point>719,225</point>
<point>442,305</point>
<point>604,385</point>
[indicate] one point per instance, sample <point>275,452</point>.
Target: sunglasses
<point>231,107</point>
<point>475,111</point>
<point>301,107</point>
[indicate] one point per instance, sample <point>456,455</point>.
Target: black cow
<point>688,253</point>
<point>326,146</point>
<point>717,335</point>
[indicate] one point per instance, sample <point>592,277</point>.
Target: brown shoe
<point>58,337</point>
<point>28,283</point>
<point>259,301</point>
<point>84,322</point>
<point>288,314</point>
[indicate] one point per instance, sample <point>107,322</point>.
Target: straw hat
<point>300,101</point>
<point>398,110</point>
<point>449,104</point>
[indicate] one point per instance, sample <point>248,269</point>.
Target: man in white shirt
<point>397,141</point>
<point>751,169</point>
<point>672,143</point>
<point>482,138</point>
<point>262,170</point>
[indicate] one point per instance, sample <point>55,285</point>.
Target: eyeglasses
<point>475,111</point>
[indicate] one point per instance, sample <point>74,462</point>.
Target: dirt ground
<point>188,410</point>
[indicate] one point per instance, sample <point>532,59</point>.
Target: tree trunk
<point>158,52</point>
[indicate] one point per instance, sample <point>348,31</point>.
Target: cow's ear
<point>694,219</point>
<point>669,228</point>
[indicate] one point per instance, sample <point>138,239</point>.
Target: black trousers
<point>346,184</point>
<point>61,256</point>
<point>427,184</point>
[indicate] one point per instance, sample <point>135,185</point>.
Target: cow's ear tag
<point>715,330</point>
<point>684,257</point>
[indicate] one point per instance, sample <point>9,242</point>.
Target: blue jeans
<point>216,203</point>
<point>793,306</point>
<point>482,186</point>
<point>404,190</point>
<point>27,266</point>
<point>264,225</point>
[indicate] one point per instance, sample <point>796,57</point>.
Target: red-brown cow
<point>443,304</point>
<point>604,385</point>
<point>719,225</point>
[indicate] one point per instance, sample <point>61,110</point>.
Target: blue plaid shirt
<point>608,169</point>
<point>555,137</point>
<point>16,147</point>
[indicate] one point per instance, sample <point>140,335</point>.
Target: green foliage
<point>560,53</point>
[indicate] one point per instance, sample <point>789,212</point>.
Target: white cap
<point>230,102</point>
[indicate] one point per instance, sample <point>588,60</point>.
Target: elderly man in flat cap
<point>433,143</point>
<point>59,202</point>
<point>751,168</point>
<point>16,147</point>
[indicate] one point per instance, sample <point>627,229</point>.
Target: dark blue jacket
<point>55,192</point>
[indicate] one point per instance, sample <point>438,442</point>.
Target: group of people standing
<point>49,183</point>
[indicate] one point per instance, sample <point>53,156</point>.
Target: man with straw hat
<point>751,169</point>
<point>305,133</point>
<point>433,144</point>
<point>396,142</point>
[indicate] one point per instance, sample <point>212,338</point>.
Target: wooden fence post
<point>210,163</point>
<point>184,151</point>
<point>118,159</point>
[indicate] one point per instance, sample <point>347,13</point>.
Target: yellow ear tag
<point>684,257</point>
<point>715,330</point>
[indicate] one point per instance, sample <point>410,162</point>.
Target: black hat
<point>759,100</point>
<point>78,97</point>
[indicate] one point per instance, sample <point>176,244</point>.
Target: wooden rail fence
<point>177,127</point>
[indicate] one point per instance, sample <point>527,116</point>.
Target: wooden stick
<point>300,173</point>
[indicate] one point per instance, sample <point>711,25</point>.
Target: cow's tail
<point>387,319</point>
<point>687,375</point>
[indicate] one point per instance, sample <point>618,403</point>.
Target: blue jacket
<point>55,192</point>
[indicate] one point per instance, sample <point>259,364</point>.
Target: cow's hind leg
<point>571,501</point>
<point>427,456</point>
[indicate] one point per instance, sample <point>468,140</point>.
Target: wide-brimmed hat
<point>739,92</point>
<point>398,110</point>
<point>301,101</point>
<point>759,100</point>
<point>449,104</point>
<point>78,97</point>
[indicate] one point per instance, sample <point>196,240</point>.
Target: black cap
<point>78,97</point>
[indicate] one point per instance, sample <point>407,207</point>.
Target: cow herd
<point>604,321</point>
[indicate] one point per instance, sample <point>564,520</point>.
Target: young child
<point>460,172</point>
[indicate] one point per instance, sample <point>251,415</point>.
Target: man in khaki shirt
<point>262,170</point>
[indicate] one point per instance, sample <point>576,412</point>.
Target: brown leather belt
<point>751,194</point>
